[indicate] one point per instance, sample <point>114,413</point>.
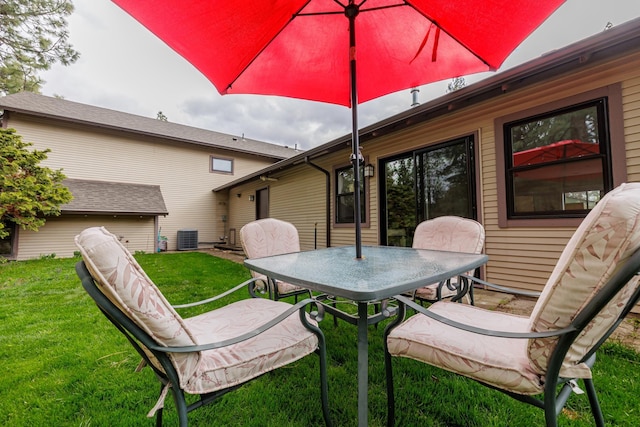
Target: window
<point>424,184</point>
<point>345,196</point>
<point>222,165</point>
<point>7,243</point>
<point>558,164</point>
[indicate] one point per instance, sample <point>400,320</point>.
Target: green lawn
<point>65,365</point>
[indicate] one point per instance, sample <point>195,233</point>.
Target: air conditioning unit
<point>187,239</point>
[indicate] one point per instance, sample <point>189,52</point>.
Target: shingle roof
<point>61,109</point>
<point>117,198</point>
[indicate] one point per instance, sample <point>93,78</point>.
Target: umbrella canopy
<point>561,150</point>
<point>307,48</point>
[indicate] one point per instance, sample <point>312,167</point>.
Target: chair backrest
<point>601,245</point>
<point>268,236</point>
<point>121,279</point>
<point>450,233</point>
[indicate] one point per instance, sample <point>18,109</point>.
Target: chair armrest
<point>299,307</point>
<point>469,328</point>
<point>217,297</point>
<point>502,288</point>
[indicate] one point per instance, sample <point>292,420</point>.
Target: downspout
<point>328,197</point>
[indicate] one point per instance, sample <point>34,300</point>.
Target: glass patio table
<point>383,271</point>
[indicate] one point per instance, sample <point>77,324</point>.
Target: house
<point>527,152</point>
<point>139,177</point>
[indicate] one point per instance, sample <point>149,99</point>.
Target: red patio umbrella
<point>307,48</point>
<point>561,150</point>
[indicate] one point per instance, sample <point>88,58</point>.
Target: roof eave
<point>114,213</point>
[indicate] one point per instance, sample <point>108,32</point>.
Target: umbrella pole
<point>351,11</point>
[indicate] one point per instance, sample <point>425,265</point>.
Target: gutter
<point>328,198</point>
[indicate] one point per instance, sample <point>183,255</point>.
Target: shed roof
<point>113,198</point>
<point>75,112</point>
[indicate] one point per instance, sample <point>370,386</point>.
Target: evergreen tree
<point>33,36</point>
<point>28,191</point>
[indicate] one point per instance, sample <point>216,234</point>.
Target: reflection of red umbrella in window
<point>307,48</point>
<point>561,150</point>
<point>548,167</point>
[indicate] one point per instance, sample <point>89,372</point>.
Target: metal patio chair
<point>266,237</point>
<point>206,355</point>
<point>593,287</point>
<point>448,233</point>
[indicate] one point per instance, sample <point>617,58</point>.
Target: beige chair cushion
<point>447,233</point>
<point>501,362</point>
<point>609,234</point>
<point>220,368</point>
<point>124,282</point>
<point>270,236</point>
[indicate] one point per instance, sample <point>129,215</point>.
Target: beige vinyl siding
<point>522,257</point>
<point>136,233</point>
<point>307,186</point>
<point>344,234</point>
<point>525,256</point>
<point>631,102</point>
<point>298,196</point>
<point>181,170</point>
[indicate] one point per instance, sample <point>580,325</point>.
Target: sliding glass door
<point>425,184</point>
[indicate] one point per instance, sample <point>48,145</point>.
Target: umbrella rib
<point>403,3</point>
<point>389,6</point>
<point>434,22</point>
<point>360,10</point>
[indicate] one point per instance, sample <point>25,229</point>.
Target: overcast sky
<point>126,68</point>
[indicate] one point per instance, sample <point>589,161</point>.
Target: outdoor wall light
<point>238,195</point>
<point>252,197</point>
<point>368,170</point>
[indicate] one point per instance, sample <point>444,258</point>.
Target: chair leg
<point>593,401</point>
<point>391,404</point>
<point>324,386</point>
<point>181,406</point>
<point>550,404</point>
<point>159,411</point>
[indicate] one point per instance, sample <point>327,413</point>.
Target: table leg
<point>363,364</point>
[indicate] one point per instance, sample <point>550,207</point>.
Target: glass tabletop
<point>383,271</point>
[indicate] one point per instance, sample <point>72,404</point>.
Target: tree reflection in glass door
<point>443,182</point>
<point>426,184</point>
<point>399,201</point>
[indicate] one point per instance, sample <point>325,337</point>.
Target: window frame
<point>364,196</point>
<point>470,140</point>
<point>613,150</point>
<point>213,158</point>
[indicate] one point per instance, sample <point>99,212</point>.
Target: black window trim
<point>604,143</point>
<point>617,152</point>
<point>365,222</point>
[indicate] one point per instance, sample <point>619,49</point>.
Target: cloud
<point>282,121</point>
